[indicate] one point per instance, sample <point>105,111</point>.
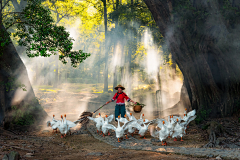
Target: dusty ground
<point>47,145</point>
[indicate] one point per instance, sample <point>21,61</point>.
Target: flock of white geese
<point>175,127</point>
<point>63,125</point>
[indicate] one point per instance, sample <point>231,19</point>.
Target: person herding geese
<point>120,104</point>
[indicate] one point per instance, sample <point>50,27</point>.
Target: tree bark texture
<point>106,47</point>
<point>12,74</point>
<point>203,37</point>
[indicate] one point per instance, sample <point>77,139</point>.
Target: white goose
<point>99,122</point>
<point>143,129</point>
<point>130,128</point>
<point>170,125</point>
<point>105,130</point>
<point>189,114</point>
<point>178,131</point>
<point>163,133</point>
<point>185,112</point>
<point>130,116</point>
<point>123,120</point>
<point>62,126</point>
<point>185,123</point>
<point>174,118</point>
<point>51,124</point>
<point>70,124</point>
<point>140,120</point>
<point>119,130</point>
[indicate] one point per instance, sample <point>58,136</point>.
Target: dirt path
<point>46,145</point>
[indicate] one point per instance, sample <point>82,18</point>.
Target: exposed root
<point>213,129</point>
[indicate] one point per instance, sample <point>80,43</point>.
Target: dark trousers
<point>120,109</point>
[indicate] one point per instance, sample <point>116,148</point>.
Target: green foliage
<point>12,84</point>
<point>4,40</point>
<point>25,114</point>
<point>202,115</point>
<point>140,104</point>
<point>206,126</point>
<point>37,31</point>
<point>22,116</point>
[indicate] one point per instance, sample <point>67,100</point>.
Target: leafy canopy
<point>37,31</point>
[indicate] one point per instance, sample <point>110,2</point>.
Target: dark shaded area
<point>203,39</point>
<point>13,74</point>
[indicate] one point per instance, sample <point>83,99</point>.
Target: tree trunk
<point>37,77</point>
<point>13,74</point>
<point>116,41</point>
<point>158,79</point>
<point>205,51</point>
<point>55,83</point>
<point>129,71</point>
<point>106,48</point>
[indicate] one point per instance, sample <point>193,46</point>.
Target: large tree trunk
<point>116,41</point>
<point>13,73</point>
<point>106,48</point>
<point>204,46</point>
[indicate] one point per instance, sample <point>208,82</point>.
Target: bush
<point>202,115</point>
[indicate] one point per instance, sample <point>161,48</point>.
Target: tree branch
<point>16,5</point>
<point>5,4</point>
<point>10,13</point>
<point>16,23</point>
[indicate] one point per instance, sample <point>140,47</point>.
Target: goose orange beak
<point>99,114</point>
<point>65,115</point>
<point>61,116</point>
<point>130,114</point>
<point>163,122</point>
<point>106,115</point>
<point>185,109</point>
<point>144,120</point>
<point>53,115</point>
<point>125,115</point>
<point>118,116</point>
<point>143,115</point>
<point>177,120</point>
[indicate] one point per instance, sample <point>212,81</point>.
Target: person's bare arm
<point>133,101</point>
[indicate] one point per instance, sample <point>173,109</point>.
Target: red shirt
<point>120,98</point>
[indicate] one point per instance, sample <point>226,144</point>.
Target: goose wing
<point>123,120</point>
<point>151,122</point>
<point>71,124</point>
<point>110,118</point>
<point>128,114</point>
<point>176,117</point>
<point>56,125</point>
<point>154,132</point>
<point>110,126</point>
<point>191,113</point>
<point>141,116</point>
<point>159,122</point>
<point>132,123</point>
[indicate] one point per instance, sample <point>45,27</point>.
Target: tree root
<point>214,129</point>
<point>212,140</point>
